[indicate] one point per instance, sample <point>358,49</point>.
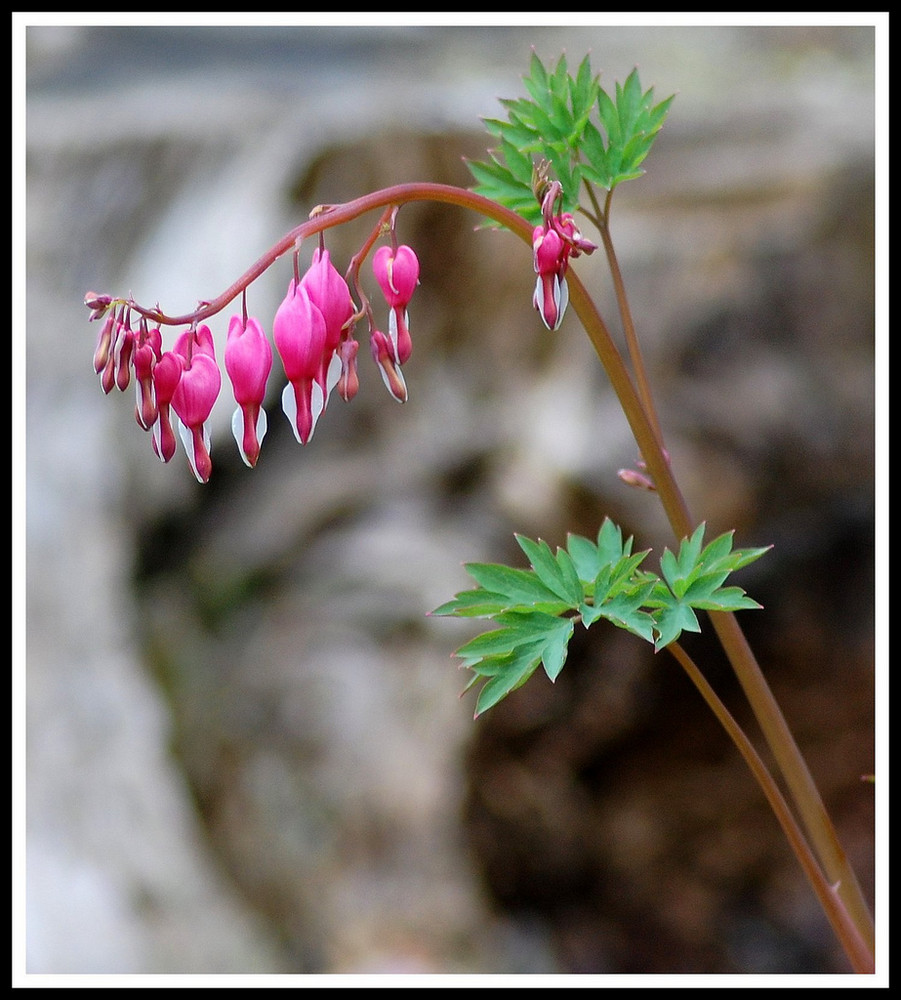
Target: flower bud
<point>349,382</point>
<point>383,354</point>
<point>104,343</point>
<point>98,304</point>
<point>146,354</point>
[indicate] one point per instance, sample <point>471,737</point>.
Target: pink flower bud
<point>146,354</point>
<point>349,382</point>
<point>97,303</point>
<point>632,477</point>
<point>383,355</point>
<point>328,291</point>
<point>104,343</point>
<point>124,350</point>
<point>195,340</point>
<point>248,361</point>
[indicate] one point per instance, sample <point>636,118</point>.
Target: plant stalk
<point>646,433</point>
<point>772,723</point>
<point>856,948</point>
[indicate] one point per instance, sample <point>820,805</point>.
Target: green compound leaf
<point>574,125</point>
<point>536,609</point>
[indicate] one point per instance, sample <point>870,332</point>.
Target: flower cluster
<point>554,242</point>
<point>313,333</point>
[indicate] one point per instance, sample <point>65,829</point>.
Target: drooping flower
<point>328,291</point>
<point>554,242</point>
<point>397,272</point>
<point>299,331</point>
<point>248,361</point>
<point>166,376</point>
<point>195,395</point>
<point>550,256</point>
<point>383,354</point>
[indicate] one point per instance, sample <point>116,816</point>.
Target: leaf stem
<point>856,948</point>
<point>776,732</point>
<point>635,353</point>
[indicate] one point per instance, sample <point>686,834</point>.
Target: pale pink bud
<point>146,354</point>
<point>349,382</point>
<point>632,477</point>
<point>124,349</point>
<point>104,343</point>
<point>383,355</point>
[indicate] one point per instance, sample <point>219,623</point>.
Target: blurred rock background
<point>246,749</point>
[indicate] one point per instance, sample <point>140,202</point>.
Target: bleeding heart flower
<point>248,361</point>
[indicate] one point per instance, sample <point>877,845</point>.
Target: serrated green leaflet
<point>556,572</point>
<point>508,656</point>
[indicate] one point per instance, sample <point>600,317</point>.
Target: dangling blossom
<point>551,295</point>
<point>397,272</point>
<point>166,376</point>
<point>300,334</point>
<point>248,361</point>
<point>313,332</point>
<point>329,293</point>
<point>554,242</point>
<point>195,395</point>
<point>385,356</point>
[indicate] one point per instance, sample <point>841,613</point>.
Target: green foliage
<point>571,123</point>
<point>693,580</point>
<point>538,608</point>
